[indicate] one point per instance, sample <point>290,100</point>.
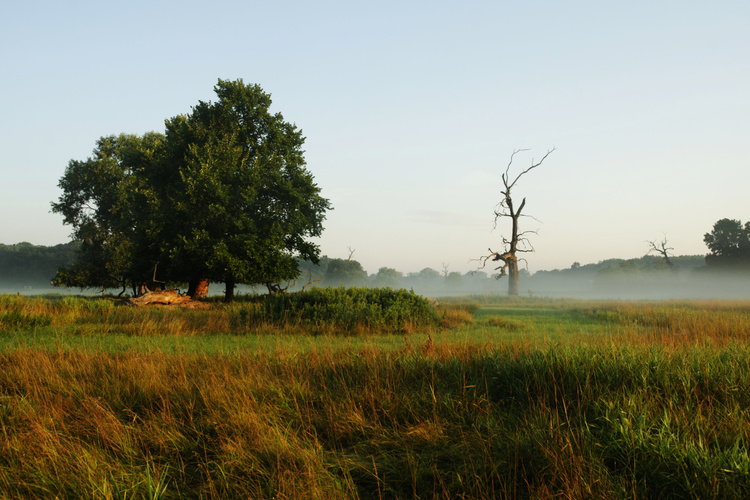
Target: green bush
<point>351,310</point>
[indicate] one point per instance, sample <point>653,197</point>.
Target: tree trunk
<point>229,291</point>
<point>513,278</point>
<point>198,288</point>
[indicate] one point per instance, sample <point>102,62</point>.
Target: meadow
<point>485,397</point>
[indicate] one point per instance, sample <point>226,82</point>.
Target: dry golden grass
<point>626,400</point>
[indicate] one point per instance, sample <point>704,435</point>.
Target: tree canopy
<point>223,195</point>
<point>341,272</point>
<point>729,243</point>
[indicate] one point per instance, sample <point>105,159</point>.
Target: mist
<point>644,278</point>
<point>28,269</point>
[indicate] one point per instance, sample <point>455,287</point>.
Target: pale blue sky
<point>411,110</point>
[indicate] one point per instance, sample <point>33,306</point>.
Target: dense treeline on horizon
<point>24,264</point>
<point>724,271</point>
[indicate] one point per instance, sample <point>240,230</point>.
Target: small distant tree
<point>517,242</point>
<point>454,280</point>
<point>662,249</point>
<point>387,277</point>
<point>729,243</point>
<point>27,264</point>
<point>428,276</point>
<point>345,272</point>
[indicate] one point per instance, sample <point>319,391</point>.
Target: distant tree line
<point>349,272</point>
<point>728,242</point>
<point>24,264</point>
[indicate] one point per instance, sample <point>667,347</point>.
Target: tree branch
<point>662,249</point>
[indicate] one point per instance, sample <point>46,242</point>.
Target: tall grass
<point>341,311</point>
<point>641,406</point>
<point>430,423</point>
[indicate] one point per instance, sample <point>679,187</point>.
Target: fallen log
<point>165,298</point>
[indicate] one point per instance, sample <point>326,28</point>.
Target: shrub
<point>348,310</point>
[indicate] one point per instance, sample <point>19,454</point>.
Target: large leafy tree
<point>224,195</point>
<point>237,200</point>
<point>729,243</point>
<point>101,200</point>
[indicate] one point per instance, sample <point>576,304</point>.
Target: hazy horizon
<point>411,112</point>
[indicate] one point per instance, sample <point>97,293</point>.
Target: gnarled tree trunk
<point>513,278</point>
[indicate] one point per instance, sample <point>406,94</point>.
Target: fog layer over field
<point>28,270</point>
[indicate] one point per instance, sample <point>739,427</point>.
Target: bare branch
<point>504,176</point>
<point>662,249</point>
<point>518,242</point>
<point>533,166</point>
<point>523,233</point>
<point>531,217</point>
<point>310,281</point>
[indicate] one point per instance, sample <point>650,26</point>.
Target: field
<point>500,398</point>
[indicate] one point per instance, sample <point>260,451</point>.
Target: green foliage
<point>239,203</point>
<point>729,243</point>
<point>351,310</point>
<point>223,195</point>
<point>387,277</point>
<point>340,272</point>
<point>105,202</point>
<point>27,264</point>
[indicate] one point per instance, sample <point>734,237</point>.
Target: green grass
<point>525,398</point>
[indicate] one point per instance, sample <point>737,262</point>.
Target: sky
<point>411,111</point>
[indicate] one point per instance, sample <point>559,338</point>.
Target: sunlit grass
<point>530,398</point>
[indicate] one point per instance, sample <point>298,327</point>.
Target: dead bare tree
<point>445,270</point>
<point>518,242</point>
<point>662,249</point>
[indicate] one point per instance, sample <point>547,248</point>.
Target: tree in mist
<point>387,277</point>
<point>427,278</point>
<point>729,243</point>
<point>345,272</point>
<point>662,249</point>
<point>24,264</point>
<point>454,280</point>
<point>517,242</point>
